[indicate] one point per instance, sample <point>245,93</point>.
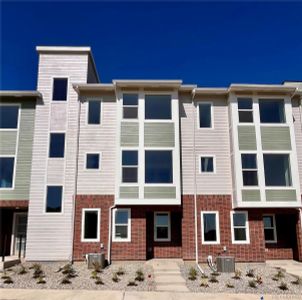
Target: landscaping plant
<point>22,270</point>
<point>69,271</point>
<point>280,274</point>
<point>192,274</point>
<point>99,281</point>
<point>259,279</point>
<point>139,275</point>
<point>41,280</point>
<point>253,283</point>
<point>204,276</point>
<point>120,271</point>
<point>94,275</point>
<point>115,278</point>
<point>38,272</point>
<point>8,280</point>
<point>283,286</point>
<point>250,273</point>
<point>213,279</point>
<point>97,267</point>
<point>204,283</point>
<point>298,281</point>
<point>132,283</point>
<point>65,280</point>
<point>215,273</point>
<point>229,285</point>
<point>238,274</point>
<point>4,276</point>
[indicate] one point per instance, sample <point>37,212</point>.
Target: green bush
<point>213,279</point>
<point>252,284</point>
<point>298,281</point>
<point>204,283</point>
<point>22,270</point>
<point>120,271</point>
<point>139,275</point>
<point>250,273</point>
<point>132,283</point>
<point>229,285</point>
<point>8,280</point>
<point>237,274</point>
<point>283,286</point>
<point>115,278</point>
<point>41,280</point>
<point>192,274</point>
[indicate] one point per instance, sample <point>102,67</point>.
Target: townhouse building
<point>142,169</point>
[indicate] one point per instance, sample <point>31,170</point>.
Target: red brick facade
<point>14,203</point>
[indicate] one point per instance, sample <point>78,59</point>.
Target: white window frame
<point>242,169</point>
<point>14,172</point>
<point>67,91</point>
<point>246,109</point>
<point>85,161</point>
<point>84,210</point>
<point>247,230</point>
<point>131,106</point>
<point>212,115</point>
<point>62,201</point>
<point>214,163</point>
<point>168,239</point>
<point>171,120</point>
<point>130,166</point>
<point>101,112</point>
<point>49,140</point>
<point>118,239</point>
<point>202,213</point>
<point>274,229</point>
<point>18,121</point>
<point>272,98</point>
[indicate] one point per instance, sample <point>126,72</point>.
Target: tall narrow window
<point>207,164</point>
<point>54,199</point>
<point>94,112</point>
<point>210,227</point>
<point>59,92</point>
<point>130,106</point>
<point>245,110</point>
<point>122,225</point>
<point>158,107</point>
<point>162,226</point>
<point>270,232</point>
<point>129,166</point>
<point>272,111</point>
<point>9,115</point>
<point>57,145</point>
<point>240,229</point>
<point>249,169</point>
<point>91,225</point>
<point>6,172</point>
<point>205,115</point>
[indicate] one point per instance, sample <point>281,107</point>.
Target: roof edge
<point>15,93</point>
<point>62,49</point>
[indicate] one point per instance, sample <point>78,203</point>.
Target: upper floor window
<point>54,198</point>
<point>206,164</point>
<point>92,161</point>
<point>59,91</point>
<point>94,112</point>
<point>162,226</point>
<point>158,166</point>
<point>240,227</point>
<point>90,224</point>
<point>271,111</point>
<point>245,110</point>
<point>6,172</point>
<point>249,169</point>
<point>270,232</point>
<point>277,170</point>
<point>129,166</point>
<point>158,107</point>
<point>57,145</point>
<point>121,225</point>
<point>130,106</point>
<point>9,115</point>
<point>205,115</point>
<point>210,227</point>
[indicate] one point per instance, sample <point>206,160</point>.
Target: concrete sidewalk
<point>27,294</point>
<point>291,266</point>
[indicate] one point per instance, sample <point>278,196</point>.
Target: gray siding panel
<point>158,192</point>
<point>159,135</point>
<point>8,141</point>
<point>250,195</point>
<point>129,134</point>
<point>275,138</point>
<point>247,138</point>
<point>281,195</point>
<point>127,192</point>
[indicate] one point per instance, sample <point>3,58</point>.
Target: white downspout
<point>110,234</point>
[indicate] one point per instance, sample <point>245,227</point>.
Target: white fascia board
<point>20,94</point>
<point>62,49</point>
<point>261,88</point>
<point>148,83</point>
<point>209,91</point>
<point>174,201</point>
<point>93,87</point>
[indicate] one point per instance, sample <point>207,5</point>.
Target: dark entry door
<point>149,234</point>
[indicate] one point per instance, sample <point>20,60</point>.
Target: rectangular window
<point>271,111</point>
<point>240,228</point>
<point>245,110</point>
<point>54,199</point>
<point>205,115</point>
<point>57,145</point>
<point>270,232</point>
<point>9,115</point>
<point>94,112</point>
<point>206,164</point>
<point>249,169</point>
<point>122,225</point>
<point>130,106</point>
<point>162,227</point>
<point>92,161</point>
<point>210,227</point>
<point>91,225</point>
<point>158,107</point>
<point>158,166</point>
<point>59,92</point>
<point>7,172</point>
<point>277,170</point>
<point>129,166</point>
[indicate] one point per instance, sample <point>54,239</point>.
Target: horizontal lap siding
<point>159,135</point>
<point>129,134</point>
<point>247,138</point>
<point>250,195</point>
<point>275,138</point>
<point>8,142</point>
<point>281,195</point>
<point>159,192</point>
<point>127,192</point>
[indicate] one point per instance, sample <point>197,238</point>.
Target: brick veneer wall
<point>14,203</point>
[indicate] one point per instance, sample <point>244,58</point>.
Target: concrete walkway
<point>19,294</point>
<point>291,266</point>
<point>167,275</point>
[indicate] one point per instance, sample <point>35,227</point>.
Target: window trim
<point>87,112</point>
<point>62,200</point>
<point>246,187</point>
<point>14,172</point>
<point>85,161</point>
<point>137,106</point>
<point>49,140</point>
<point>97,239</point>
<point>117,239</point>
<point>121,166</point>
<point>156,239</point>
<point>212,115</point>
<point>214,164</point>
<point>19,117</point>
<point>202,213</point>
<point>247,230</point>
<point>274,241</point>
<point>67,88</point>
<point>241,109</point>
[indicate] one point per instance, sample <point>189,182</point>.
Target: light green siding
<point>159,135</point>
<point>127,192</point>
<point>8,140</point>
<point>281,195</point>
<point>251,195</point>
<point>129,134</point>
<point>159,192</point>
<point>275,138</point>
<point>24,153</point>
<point>247,138</point>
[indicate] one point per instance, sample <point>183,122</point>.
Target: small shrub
<point>213,279</point>
<point>192,274</point>
<point>253,284</point>
<point>298,281</point>
<point>204,276</point>
<point>94,275</point>
<point>115,278</point>
<point>97,267</point>
<point>229,285</point>
<point>99,281</point>
<point>280,274</point>
<point>22,270</point>
<point>69,271</point>
<point>283,286</point>
<point>250,273</point>
<point>204,283</point>
<point>132,283</point>
<point>35,266</point>
<point>8,280</point>
<point>215,273</point>
<point>139,275</point>
<point>120,271</point>
<point>38,272</point>
<point>275,278</point>
<point>65,280</point>
<point>5,275</point>
<point>259,279</point>
<point>41,280</point>
<point>237,275</point>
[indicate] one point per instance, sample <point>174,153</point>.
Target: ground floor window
<point>162,226</point>
<point>240,227</point>
<point>210,227</point>
<point>91,225</point>
<point>122,225</point>
<point>270,232</point>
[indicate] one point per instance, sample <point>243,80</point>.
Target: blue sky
<point>209,44</point>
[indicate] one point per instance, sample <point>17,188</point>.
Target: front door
<point>19,233</point>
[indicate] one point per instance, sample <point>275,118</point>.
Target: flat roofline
<point>21,94</point>
<point>261,88</point>
<point>93,87</point>
<point>208,91</point>
<point>147,83</point>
